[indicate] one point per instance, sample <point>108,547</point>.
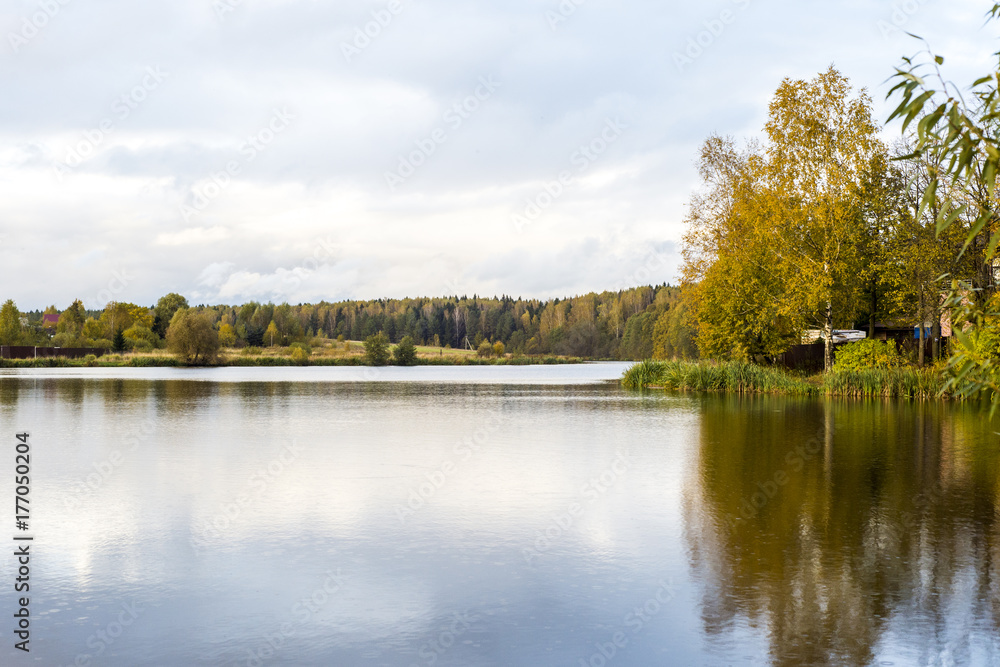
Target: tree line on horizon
<point>632,324</point>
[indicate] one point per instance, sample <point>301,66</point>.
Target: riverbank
<point>239,361</point>
<point>745,378</point>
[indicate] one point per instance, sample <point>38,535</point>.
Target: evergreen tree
<point>118,342</point>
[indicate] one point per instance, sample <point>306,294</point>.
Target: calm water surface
<point>494,516</point>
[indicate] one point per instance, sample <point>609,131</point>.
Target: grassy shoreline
<point>166,361</point>
<point>746,378</point>
<point>323,352</point>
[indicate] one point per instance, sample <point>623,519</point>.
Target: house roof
<point>52,318</point>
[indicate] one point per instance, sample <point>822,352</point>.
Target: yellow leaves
<point>119,316</point>
<point>141,316</point>
<point>785,244</point>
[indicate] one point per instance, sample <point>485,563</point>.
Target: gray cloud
<point>674,72</point>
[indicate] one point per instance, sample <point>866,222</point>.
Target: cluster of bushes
<point>378,353</point>
<point>868,354</point>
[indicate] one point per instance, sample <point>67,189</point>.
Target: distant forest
<point>639,323</point>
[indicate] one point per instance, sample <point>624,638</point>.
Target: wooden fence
<point>32,352</point>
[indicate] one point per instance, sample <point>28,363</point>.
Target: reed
<point>903,382</point>
<point>743,378</point>
<point>729,376</point>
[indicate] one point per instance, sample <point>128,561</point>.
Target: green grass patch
<point>905,382</point>
<point>744,378</point>
<point>729,376</point>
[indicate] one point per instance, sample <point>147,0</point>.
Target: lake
<point>531,515</point>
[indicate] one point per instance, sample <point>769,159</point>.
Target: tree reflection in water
<point>845,529</point>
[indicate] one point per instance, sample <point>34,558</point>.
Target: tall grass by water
<point>729,376</point>
<point>745,378</point>
<point>905,382</point>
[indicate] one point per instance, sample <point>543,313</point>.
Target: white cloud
<point>195,235</point>
<point>323,178</point>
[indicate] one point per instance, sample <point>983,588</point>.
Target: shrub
<point>485,349</point>
<point>138,337</point>
<point>65,339</point>
<point>90,360</point>
<point>300,356</point>
<point>251,351</point>
<point>377,349</point>
<point>499,348</point>
<point>145,362</point>
<point>867,354</point>
<point>405,353</point>
<point>299,346</point>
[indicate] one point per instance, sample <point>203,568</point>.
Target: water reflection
<point>219,507</point>
<point>848,532</point>
<point>745,531</point>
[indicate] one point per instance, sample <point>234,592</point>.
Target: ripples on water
<point>519,517</point>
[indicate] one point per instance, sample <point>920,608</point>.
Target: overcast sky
<point>303,150</point>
